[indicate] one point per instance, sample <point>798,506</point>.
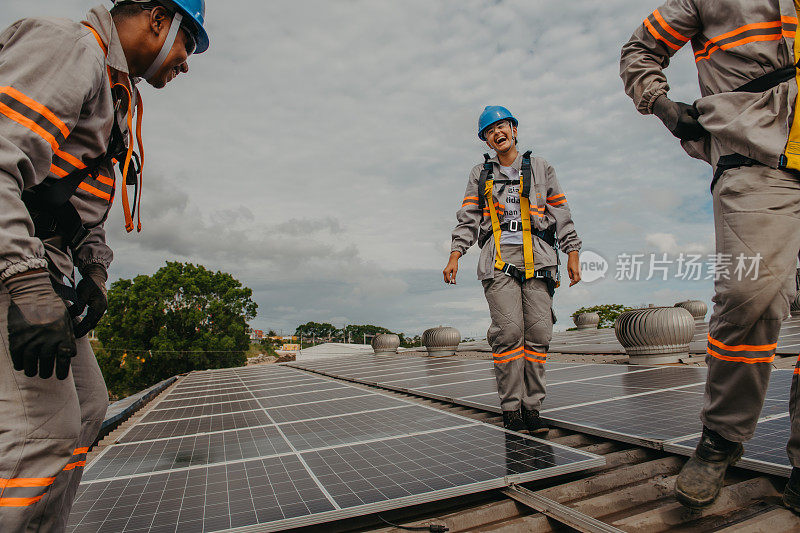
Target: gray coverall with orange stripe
<point>756,208</point>
<point>56,111</point>
<point>522,317</point>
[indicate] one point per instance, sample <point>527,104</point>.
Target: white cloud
<point>319,150</point>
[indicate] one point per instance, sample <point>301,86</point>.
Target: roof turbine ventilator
<point>697,308</point>
<point>441,341</point>
<point>587,320</point>
<point>655,335</point>
<point>385,343</point>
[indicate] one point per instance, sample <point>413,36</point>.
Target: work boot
<point>533,422</point>
<point>791,494</point>
<point>513,420</point>
<point>701,478</point>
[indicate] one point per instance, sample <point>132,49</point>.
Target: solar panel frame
<point>429,429</point>
<point>776,428</point>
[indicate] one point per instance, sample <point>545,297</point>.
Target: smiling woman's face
<point>500,135</point>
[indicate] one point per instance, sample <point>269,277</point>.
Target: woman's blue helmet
<point>492,114</point>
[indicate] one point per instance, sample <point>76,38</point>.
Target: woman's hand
<point>451,269</point>
<point>574,267</point>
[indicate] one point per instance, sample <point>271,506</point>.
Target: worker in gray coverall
<point>516,211</point>
<point>60,83</point>
<point>746,127</point>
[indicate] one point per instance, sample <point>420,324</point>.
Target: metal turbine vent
<point>385,343</point>
<point>697,308</point>
<point>655,335</point>
<point>441,341</point>
<point>587,320</point>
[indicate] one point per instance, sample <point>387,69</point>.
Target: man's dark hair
<point>124,10</point>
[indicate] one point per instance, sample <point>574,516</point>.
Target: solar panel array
<point>269,448</point>
<point>604,341</point>
<point>657,407</point>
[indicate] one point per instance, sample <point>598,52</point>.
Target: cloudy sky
<point>319,151</point>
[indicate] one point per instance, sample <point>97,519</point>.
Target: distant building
<point>256,334</point>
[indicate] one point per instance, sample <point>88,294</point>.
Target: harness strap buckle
<point>514,225</point>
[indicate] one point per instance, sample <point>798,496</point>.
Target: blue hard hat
<point>195,10</point>
<point>492,114</point>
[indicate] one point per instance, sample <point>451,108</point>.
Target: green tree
<point>357,334</point>
<point>182,318</point>
<point>608,313</point>
<point>317,332</point>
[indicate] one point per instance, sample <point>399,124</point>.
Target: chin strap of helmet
<point>158,62</point>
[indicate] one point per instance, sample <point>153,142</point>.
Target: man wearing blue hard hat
<point>68,105</point>
<point>516,211</point>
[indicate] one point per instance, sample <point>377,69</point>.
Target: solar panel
<point>765,452</point>
<point>298,459</point>
<point>644,405</point>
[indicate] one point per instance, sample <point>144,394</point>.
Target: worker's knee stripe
<point>741,347</point>
<point>797,371</point>
<point>534,360</point>
<point>503,354</point>
<point>79,451</point>
<point>740,358</point>
<point>76,464</point>
<point>20,502</point>
<point>20,482</point>
<point>512,358</point>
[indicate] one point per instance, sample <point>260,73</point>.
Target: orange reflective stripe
<point>797,371</point>
<point>509,359</point>
<point>34,127</point>
<point>712,46</point>
<point>556,197</point>
<point>468,203</point>
<point>752,39</point>
<point>94,190</point>
<point>79,451</point>
<point>746,27</point>
<point>74,465</point>
<point>30,124</point>
<point>97,38</point>
<point>532,360</point>
<point>558,202</point>
<point>658,36</point>
<point>19,502</point>
<point>60,172</point>
<point>515,350</point>
<point>26,482</point>
<point>667,27</point>
<point>471,198</point>
<point>748,360</point>
<point>39,108</point>
<point>532,352</point>
<point>742,347</point>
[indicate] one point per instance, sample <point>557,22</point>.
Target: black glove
<point>40,333</point>
<point>679,118</point>
<point>92,290</point>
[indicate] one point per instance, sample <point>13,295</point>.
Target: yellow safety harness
<point>525,182</point>
<point>525,208</point>
<point>791,156</point>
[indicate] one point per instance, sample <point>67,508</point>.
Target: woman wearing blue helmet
<point>515,210</point>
